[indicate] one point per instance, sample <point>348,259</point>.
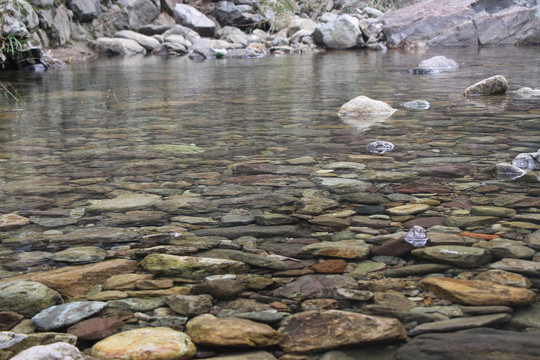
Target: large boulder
<point>194,19</point>
<point>343,33</point>
<point>463,23</point>
<point>495,85</point>
<point>118,46</point>
<point>133,14</point>
<point>84,10</point>
<point>229,14</point>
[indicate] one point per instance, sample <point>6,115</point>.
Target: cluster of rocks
<point>289,258</point>
<point>246,28</point>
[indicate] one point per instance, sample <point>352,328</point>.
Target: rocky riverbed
<point>272,257</point>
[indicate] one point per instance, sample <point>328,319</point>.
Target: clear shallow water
<point>93,128</point>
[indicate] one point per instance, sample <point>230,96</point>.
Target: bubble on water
<point>417,236</point>
<point>380,147</point>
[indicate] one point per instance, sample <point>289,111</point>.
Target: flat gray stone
<point>66,314</point>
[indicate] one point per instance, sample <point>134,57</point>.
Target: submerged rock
<point>478,292</point>
<point>162,343</point>
<point>380,147</point>
<point>312,331</point>
<point>481,343</point>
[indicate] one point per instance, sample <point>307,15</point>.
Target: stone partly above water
<point>495,85</point>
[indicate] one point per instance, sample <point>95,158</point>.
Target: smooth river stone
<point>501,248</point>
<point>504,278</point>
<point>518,265</point>
<point>80,254</point>
<point>208,330</point>
<point>162,343</point>
<point>470,221</point>
<point>460,324</point>
<point>497,211</point>
<point>37,297</point>
<point>67,314</point>
<point>125,202</point>
<point>341,185</point>
<point>346,249</point>
<point>191,267</point>
<point>57,350</point>
<point>313,331</point>
<point>478,292</point>
<point>455,255</point>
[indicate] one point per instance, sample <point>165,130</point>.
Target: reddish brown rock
<point>478,292</point>
<point>312,331</point>
<point>9,319</point>
<point>95,328</point>
<point>74,281</point>
<point>332,266</point>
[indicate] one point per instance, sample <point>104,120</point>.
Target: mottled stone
<point>477,292</point>
<point>222,289</point>
<point>495,85</point>
<point>189,305</point>
<point>208,330</point>
<point>191,267</point>
<point>11,221</point>
<point>331,266</point>
<point>312,331</point>
<point>504,278</point>
<point>244,257</point>
<point>80,254</point>
<point>162,343</point>
<point>455,255</point>
<point>315,286</point>
<point>37,297</point>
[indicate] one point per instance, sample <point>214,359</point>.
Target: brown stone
<point>11,221</point>
<point>125,281</point>
<point>157,343</point>
<point>312,331</point>
<point>208,330</point>
<point>396,247</point>
<point>9,319</point>
<point>74,281</point>
<point>478,292</point>
<point>331,266</point>
<point>95,328</point>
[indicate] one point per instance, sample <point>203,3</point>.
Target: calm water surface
<point>151,120</point>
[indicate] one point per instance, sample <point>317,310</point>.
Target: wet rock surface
<point>213,237</point>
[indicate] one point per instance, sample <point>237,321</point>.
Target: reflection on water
<point>169,119</point>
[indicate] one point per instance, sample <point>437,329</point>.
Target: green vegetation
<point>280,12</point>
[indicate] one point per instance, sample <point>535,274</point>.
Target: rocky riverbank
<point>250,29</point>
<point>276,257</point>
